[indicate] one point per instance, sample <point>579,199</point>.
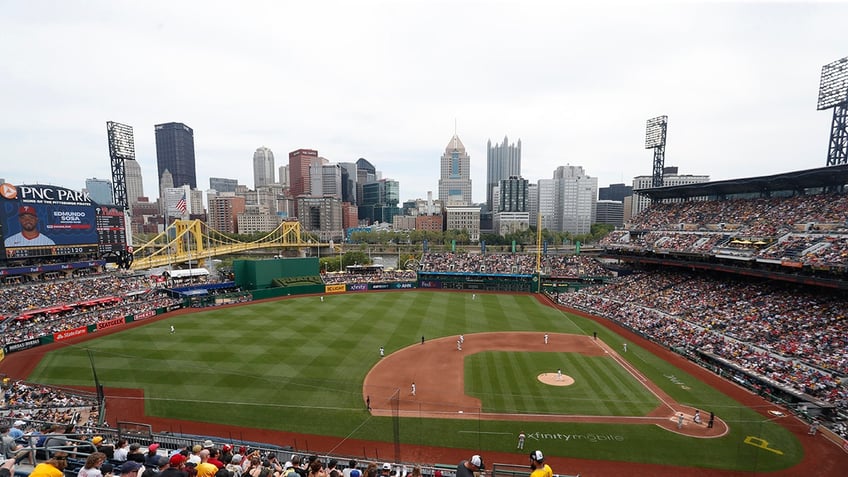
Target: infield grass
<point>298,365</point>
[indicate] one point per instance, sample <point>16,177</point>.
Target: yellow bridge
<point>192,240</point>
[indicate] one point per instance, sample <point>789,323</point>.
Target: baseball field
<point>306,366</point>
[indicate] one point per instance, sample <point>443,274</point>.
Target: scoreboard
<point>111,229</point>
<point>47,221</point>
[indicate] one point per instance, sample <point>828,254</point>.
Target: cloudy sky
<point>391,81</point>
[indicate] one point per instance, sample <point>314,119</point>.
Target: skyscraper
<point>576,200</point>
<point>502,162</point>
<point>135,185</point>
<point>455,175</point>
<point>263,167</point>
<point>365,173</point>
<point>175,152</point>
<point>100,190</point>
<point>299,162</point>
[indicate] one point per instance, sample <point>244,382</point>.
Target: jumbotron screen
<point>44,221</point>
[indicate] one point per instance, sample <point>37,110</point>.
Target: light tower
<point>655,139</point>
<point>833,93</point>
<point>121,148</point>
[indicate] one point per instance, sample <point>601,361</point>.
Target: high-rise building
<point>175,152</point>
<point>380,201</point>
<point>455,175</point>
<point>464,218</point>
<point>349,176</point>
<point>224,210</point>
<point>533,203</point>
<point>615,192</point>
<point>511,214</point>
<point>512,195</point>
<point>299,162</point>
<point>222,185</point>
<point>135,184</point>
<point>100,190</point>
<point>576,199</point>
<point>263,167</point>
<point>321,215</point>
<point>610,212</point>
<point>365,173</point>
<point>502,162</point>
<point>284,176</point>
<point>546,203</point>
<point>325,179</point>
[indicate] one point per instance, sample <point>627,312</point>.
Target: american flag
<point>181,204</point>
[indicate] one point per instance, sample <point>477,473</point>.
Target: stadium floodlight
<point>655,132</point>
<point>121,149</point>
<point>121,142</point>
<point>833,89</point>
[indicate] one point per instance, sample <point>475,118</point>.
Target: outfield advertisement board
<point>335,288</point>
<point>43,220</point>
<point>21,345</point>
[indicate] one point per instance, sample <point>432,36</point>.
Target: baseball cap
<point>226,448</point>
<point>387,466</point>
<point>96,440</point>
<point>537,456</point>
<point>26,209</point>
<point>476,460</point>
<point>19,424</point>
<point>129,466</point>
<point>236,459</point>
<point>355,473</point>
<point>177,459</point>
<point>152,447</point>
<point>208,443</point>
<point>162,461</point>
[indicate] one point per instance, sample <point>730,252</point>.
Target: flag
<point>181,204</point>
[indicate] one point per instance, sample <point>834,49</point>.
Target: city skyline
<point>738,81</point>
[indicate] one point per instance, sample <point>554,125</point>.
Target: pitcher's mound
<point>555,380</point>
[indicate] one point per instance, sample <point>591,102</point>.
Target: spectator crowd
<point>811,230</point>
<point>42,308</point>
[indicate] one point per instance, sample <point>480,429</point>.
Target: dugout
<point>278,277</point>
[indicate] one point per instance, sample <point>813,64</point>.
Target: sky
<point>392,81</point>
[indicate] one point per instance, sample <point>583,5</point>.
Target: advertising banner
<point>144,315</point>
<point>430,284</point>
<point>337,288</point>
<point>102,325</point>
<point>22,345</point>
<point>357,287</point>
<point>63,335</point>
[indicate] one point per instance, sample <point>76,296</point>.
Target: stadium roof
<point>821,177</point>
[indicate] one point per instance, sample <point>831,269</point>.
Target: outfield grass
<point>299,364</point>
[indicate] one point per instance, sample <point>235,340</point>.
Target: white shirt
<point>18,240</point>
